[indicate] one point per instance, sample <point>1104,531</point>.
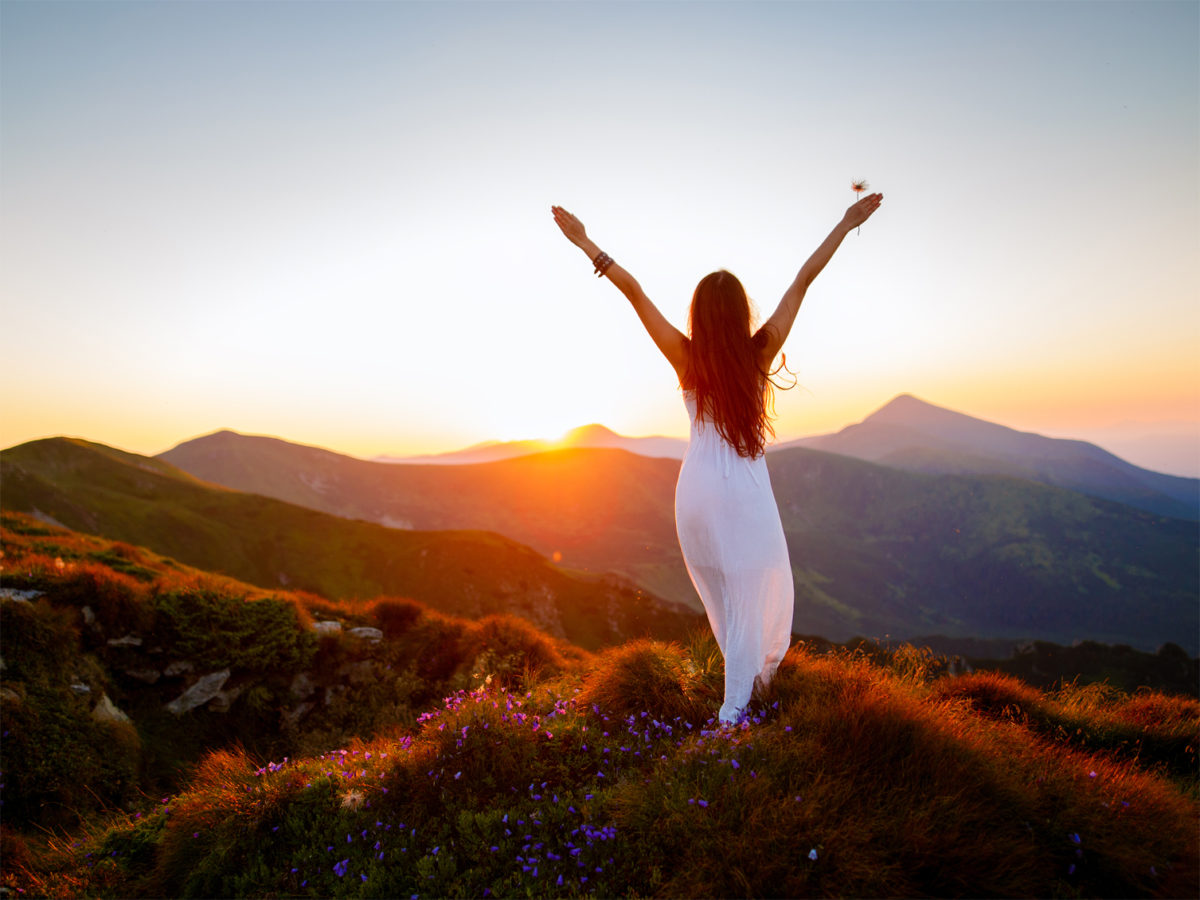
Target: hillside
<point>910,433</point>
<point>324,763</point>
<point>875,550</point>
<point>270,543</point>
<point>598,510</point>
<point>879,551</point>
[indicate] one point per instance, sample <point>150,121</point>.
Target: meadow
<point>465,758</point>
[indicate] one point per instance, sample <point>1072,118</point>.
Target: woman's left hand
<point>862,210</point>
<point>570,225</point>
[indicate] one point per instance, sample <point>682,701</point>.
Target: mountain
<point>909,433</point>
<point>881,551</point>
<point>599,510</point>
<point>96,489</point>
<point>875,550</point>
<point>584,436</point>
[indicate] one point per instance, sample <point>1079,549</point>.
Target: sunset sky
<point>331,222</point>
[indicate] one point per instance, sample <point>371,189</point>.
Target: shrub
<point>220,630</point>
<point>644,676</point>
<point>395,617</point>
<point>510,652</point>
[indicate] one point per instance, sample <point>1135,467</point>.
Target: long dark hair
<point>732,388</point>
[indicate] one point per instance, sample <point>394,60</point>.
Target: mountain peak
<point>589,433</point>
<point>906,409</point>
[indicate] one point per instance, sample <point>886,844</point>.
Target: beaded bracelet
<point>602,262</point>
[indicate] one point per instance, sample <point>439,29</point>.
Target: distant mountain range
<point>909,433</point>
<point>876,550</point>
<point>586,436</point>
<point>149,502</point>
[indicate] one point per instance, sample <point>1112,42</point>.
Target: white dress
<point>734,548</point>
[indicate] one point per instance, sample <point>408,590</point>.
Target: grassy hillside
<point>269,543</point>
<point>88,625</point>
<point>599,509</point>
<point>851,781</point>
<point>875,551</point>
<point>879,551</point>
<point>330,765</point>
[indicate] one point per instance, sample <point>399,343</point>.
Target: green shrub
<point>396,616</point>
<point>220,630</point>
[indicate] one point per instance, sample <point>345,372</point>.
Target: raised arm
<point>779,326</point>
<point>666,336</point>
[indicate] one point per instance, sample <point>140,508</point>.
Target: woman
<point>725,513</point>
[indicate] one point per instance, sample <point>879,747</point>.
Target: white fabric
<point>734,548</point>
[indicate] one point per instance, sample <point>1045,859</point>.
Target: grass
<point>852,779</point>
<point>461,758</point>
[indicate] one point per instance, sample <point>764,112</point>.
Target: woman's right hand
<point>570,225</point>
<point>862,210</point>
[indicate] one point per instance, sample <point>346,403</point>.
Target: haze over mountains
<point>941,539</point>
<point>910,433</point>
<point>584,436</point>
<point>876,549</point>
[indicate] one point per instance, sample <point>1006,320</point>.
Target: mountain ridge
<point>272,543</point>
<point>875,550</point>
<point>910,433</point>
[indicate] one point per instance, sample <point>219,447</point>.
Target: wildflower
<point>812,854</point>
<point>858,187</point>
<point>352,799</point>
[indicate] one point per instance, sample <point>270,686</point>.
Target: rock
<point>224,699</point>
<point>297,712</point>
<point>327,627</point>
<point>81,689</point>
<point>106,711</point>
<point>9,694</point>
<point>130,640</point>
<point>18,595</point>
<point>333,691</point>
<point>89,615</point>
<point>179,667</point>
<point>199,693</point>
<point>302,686</point>
<point>362,672</point>
<point>367,634</point>
<point>149,676</point>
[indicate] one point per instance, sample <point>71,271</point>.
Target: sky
<point>331,221</point>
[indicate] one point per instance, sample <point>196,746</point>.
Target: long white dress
<point>736,554</point>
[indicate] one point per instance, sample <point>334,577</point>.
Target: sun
<point>548,424</point>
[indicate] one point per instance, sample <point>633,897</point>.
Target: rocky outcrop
<point>366,633</point>
<point>327,627</point>
<point>106,711</point>
<point>18,595</point>
<point>199,693</point>
<point>130,640</point>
